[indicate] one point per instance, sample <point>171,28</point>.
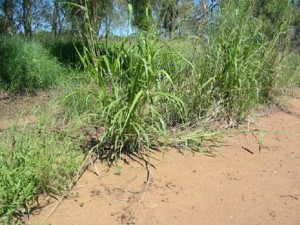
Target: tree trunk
<point>27,17</point>
<point>8,8</point>
<point>55,18</point>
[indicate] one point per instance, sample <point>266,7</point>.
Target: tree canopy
<point>169,18</point>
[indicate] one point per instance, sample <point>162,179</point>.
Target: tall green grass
<point>129,83</point>
<point>145,86</point>
<point>231,66</point>
<point>236,60</point>
<point>26,65</point>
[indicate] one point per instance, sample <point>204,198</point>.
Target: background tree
<point>55,15</point>
<point>96,12</point>
<point>8,8</point>
<point>274,14</point>
<point>41,15</point>
<point>107,15</point>
<point>142,14</point>
<point>296,24</point>
<point>169,14</point>
<point>186,17</point>
<point>27,17</point>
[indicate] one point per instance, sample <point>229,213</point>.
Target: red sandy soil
<point>241,185</point>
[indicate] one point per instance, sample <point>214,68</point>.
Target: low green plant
<point>33,161</point>
<point>261,140</point>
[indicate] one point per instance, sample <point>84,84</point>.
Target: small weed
<point>261,140</point>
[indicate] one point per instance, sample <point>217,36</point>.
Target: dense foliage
<point>27,66</point>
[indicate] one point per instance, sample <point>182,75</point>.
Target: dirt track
<point>20,110</point>
<point>234,188</point>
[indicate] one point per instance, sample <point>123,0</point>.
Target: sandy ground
<point>21,110</point>
<point>242,185</point>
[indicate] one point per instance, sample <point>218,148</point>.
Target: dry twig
<point>147,183</point>
<point>80,172</point>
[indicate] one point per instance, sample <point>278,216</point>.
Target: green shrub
<point>63,47</point>
<point>287,74</point>
<point>64,50</point>
<point>26,66</point>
